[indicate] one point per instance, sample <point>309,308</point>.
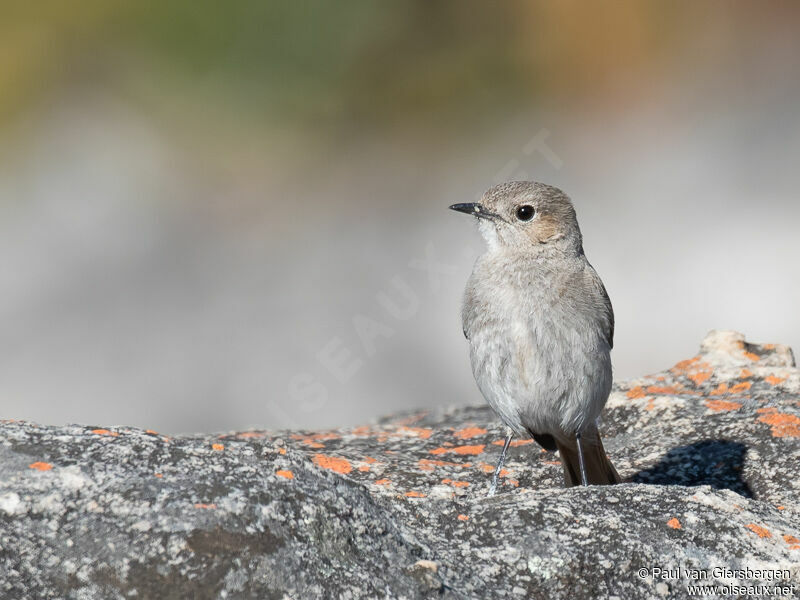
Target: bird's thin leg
<point>496,476</point>
<point>584,481</point>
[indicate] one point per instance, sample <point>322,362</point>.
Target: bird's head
<point>526,216</point>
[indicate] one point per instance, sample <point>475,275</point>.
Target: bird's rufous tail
<point>599,470</point>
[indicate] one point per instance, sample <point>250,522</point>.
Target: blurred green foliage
<point>355,59</point>
<point>333,62</point>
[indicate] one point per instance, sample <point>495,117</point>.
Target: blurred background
<point>216,216</point>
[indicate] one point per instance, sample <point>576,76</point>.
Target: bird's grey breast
<point>531,325</point>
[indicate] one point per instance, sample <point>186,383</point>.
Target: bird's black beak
<point>473,208</point>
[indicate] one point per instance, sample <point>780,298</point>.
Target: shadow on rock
<point>717,463</point>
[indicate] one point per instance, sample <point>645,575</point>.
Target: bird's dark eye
<point>525,212</point>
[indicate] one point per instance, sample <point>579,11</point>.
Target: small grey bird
<point>540,327</point>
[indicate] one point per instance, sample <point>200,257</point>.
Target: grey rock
<point>709,450</point>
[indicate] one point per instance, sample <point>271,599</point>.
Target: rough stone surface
<point>399,509</point>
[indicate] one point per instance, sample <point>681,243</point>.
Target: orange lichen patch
<point>427,464</point>
<point>382,482</point>
<point>487,468</point>
<point>781,507</point>
<point>281,450</point>
<point>674,523</point>
<point>773,380</point>
<point>790,539</point>
<point>655,389</point>
<point>313,441</point>
<point>40,466</point>
<point>463,450</point>
<point>468,450</point>
<point>741,387</point>
<point>745,373</point>
<point>284,473</point>
<point>463,518</point>
<point>423,432</point>
<point>217,447</point>
<point>369,460</point>
<point>783,425</point>
<point>206,506</point>
<point>469,432</point>
<point>363,468</point>
<point>651,404</point>
<point>637,392</point>
<point>722,405</point>
<point>700,377</point>
<point>104,432</point>
<point>769,346</point>
<point>513,482</point>
<point>158,475</point>
<point>363,430</point>
<point>767,409</point>
<point>514,443</point>
<point>761,532</point>
<point>458,484</point>
<point>753,357</point>
<point>414,494</point>
<point>721,389</point>
<point>151,432</point>
<point>334,463</point>
<point>685,365</point>
<point>412,419</point>
<point>250,434</point>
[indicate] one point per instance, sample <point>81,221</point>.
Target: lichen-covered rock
<point>710,449</point>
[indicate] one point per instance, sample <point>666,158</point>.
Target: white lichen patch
<point>546,567</point>
<point>12,504</point>
<point>72,478</point>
